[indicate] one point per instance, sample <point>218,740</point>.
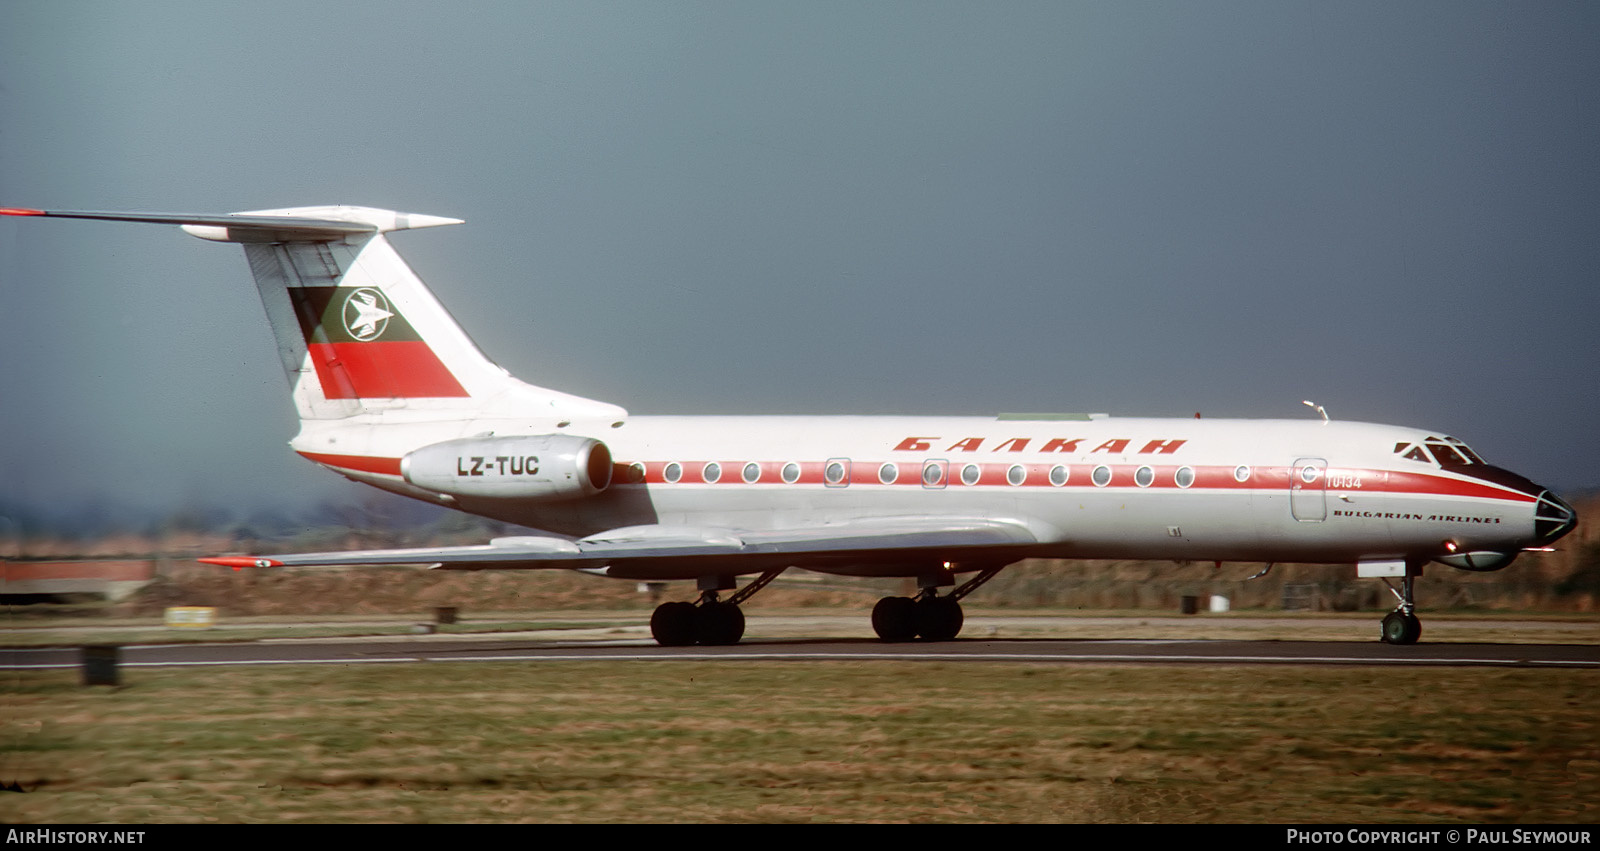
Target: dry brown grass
<point>778,742</point>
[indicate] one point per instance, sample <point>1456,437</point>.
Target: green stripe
<point>348,315</point>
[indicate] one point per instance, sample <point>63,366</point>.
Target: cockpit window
<point>1472,457</point>
<point>1446,451</point>
<point>1411,451</point>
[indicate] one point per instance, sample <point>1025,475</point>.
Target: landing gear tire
<point>928,618</point>
<point>895,618</point>
<point>939,618</point>
<point>1401,628</point>
<point>674,624</point>
<point>710,624</point>
<point>1401,625</point>
<point>718,624</point>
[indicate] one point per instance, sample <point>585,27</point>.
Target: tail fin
<point>357,330</point>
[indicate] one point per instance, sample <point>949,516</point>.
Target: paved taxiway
<point>459,648</point>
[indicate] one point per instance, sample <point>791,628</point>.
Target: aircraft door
<point>1308,488</point>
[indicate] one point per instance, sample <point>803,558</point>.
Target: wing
<point>878,547</point>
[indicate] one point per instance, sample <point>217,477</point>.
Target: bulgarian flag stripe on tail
<point>362,348</point>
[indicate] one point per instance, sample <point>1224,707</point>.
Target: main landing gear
<point>927,616</point>
<point>1401,625</point>
<point>709,621</point>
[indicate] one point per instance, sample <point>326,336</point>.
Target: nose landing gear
<point>1401,628</point>
<point>1401,625</point>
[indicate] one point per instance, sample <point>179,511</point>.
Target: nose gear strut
<point>1401,625</point>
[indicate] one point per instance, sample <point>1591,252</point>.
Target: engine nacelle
<point>1481,561</point>
<point>538,467</point>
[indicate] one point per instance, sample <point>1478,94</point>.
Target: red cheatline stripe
<point>362,463</point>
<point>1439,485</point>
<point>994,475</point>
<point>1079,475</point>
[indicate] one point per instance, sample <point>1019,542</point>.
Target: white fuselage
<point>1106,487</point>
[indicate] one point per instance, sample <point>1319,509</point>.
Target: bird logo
<point>366,314</point>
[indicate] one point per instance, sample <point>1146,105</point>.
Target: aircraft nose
<point>1552,518</point>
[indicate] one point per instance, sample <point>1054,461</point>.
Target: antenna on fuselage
<point>1310,404</point>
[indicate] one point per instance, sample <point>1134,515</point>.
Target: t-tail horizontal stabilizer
<point>297,224</point>
<point>357,331</point>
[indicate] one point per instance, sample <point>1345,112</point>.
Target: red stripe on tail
<point>400,369</point>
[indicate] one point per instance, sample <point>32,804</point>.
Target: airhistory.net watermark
<point>47,836</point>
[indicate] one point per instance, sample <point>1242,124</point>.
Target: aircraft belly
<point>577,517</point>
<point>757,507</point>
<point>1096,523</point>
<point>847,563</point>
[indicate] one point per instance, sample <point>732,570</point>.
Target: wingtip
<point>20,211</point>
<point>238,562</point>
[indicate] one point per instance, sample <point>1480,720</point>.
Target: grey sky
<point>1141,208</point>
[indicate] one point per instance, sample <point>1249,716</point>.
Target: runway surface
<point>477,648</point>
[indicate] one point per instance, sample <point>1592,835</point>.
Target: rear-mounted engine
<point>538,467</point>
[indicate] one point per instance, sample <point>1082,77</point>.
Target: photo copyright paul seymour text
<point>1453,836</point>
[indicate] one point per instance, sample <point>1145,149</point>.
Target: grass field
<point>803,741</point>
